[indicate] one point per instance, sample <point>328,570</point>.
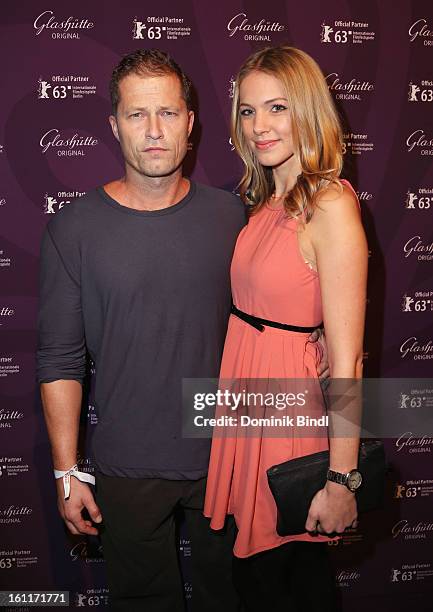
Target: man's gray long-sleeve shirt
<point>148,294</point>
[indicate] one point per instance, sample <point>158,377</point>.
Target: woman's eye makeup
<point>276,108</point>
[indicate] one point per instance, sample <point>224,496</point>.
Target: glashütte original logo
<point>420,143</point>
<point>5,313</point>
<point>66,147</point>
<point>420,30</point>
<point>412,347</point>
<point>364,196</point>
<point>413,531</point>
<point>187,589</point>
<point>87,550</point>
<point>85,464</point>
<point>418,247</point>
<point>67,28</point>
<point>346,32</point>
<point>343,89</point>
<point>7,417</point>
<point>14,514</point>
<point>413,444</point>
<point>345,578</point>
<point>259,30</point>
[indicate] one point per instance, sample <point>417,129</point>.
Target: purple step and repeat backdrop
<point>55,144</point>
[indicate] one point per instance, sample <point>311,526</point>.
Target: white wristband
<point>73,471</point>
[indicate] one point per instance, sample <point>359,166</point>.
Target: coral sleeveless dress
<point>270,280</point>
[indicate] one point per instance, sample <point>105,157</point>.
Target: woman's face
<point>265,118</point>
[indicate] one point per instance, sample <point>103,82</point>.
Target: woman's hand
<point>323,367</point>
<point>332,510</point>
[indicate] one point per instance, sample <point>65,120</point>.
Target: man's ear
<point>113,122</point>
<point>190,121</point>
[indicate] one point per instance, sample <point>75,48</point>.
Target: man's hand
<point>323,368</point>
<point>70,509</point>
<point>332,510</point>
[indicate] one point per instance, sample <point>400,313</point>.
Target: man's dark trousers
<point>141,549</point>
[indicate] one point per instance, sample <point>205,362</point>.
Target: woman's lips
<point>262,145</point>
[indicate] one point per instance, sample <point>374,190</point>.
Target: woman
<point>301,260</point>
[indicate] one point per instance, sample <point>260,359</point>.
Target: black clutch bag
<point>294,484</point>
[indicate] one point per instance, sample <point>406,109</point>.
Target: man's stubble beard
<point>165,169</point>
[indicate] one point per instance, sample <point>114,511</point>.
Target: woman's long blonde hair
<point>316,131</point>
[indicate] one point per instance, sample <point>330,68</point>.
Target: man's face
<point>152,124</point>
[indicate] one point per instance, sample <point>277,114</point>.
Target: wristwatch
<point>352,480</point>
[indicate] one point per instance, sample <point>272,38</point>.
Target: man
<point>137,272</point>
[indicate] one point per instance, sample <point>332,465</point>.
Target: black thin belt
<point>260,324</point>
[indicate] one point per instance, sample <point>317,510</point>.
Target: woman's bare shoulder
<point>336,204</point>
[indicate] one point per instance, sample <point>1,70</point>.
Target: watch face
<point>354,480</point>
